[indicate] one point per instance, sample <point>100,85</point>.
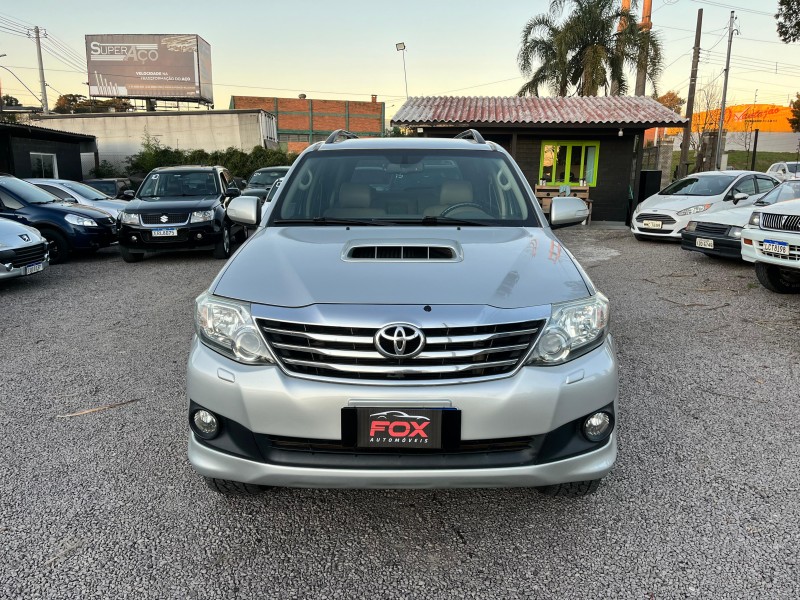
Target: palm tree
<point>591,50</point>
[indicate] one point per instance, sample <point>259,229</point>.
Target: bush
<point>241,164</point>
<point>106,169</point>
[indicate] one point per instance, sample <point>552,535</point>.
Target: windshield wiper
<point>329,221</point>
<point>432,220</point>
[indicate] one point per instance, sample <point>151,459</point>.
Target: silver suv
<point>405,317</point>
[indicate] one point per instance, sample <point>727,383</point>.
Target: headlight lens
<point>574,329</point>
<point>199,216</point>
<point>693,210</point>
<point>228,327</point>
<point>79,220</point>
<point>691,226</point>
<point>129,218</point>
<point>755,219</point>
<point>735,232</point>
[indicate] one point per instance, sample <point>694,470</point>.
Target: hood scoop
<point>402,250</point>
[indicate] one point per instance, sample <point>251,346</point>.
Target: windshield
<point>265,178</point>
<point>404,187</point>
<point>785,191</point>
<point>27,191</point>
<point>188,184</point>
<point>706,185</point>
<point>85,190</point>
<point>106,187</point>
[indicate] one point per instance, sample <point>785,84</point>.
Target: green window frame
<point>559,153</point>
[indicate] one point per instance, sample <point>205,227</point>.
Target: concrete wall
<point>119,135</point>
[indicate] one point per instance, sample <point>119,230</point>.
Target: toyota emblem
<point>399,340</point>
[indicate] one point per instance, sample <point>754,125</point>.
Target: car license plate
<point>31,269</point>
<point>166,232</point>
<point>652,224</point>
<point>407,428</point>
<point>776,247</point>
<point>704,243</point>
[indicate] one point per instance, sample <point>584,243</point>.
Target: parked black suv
<point>180,208</point>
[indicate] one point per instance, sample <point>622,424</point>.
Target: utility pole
<point>45,107</point>
<point>724,93</point>
<point>647,25</point>
<point>687,129</point>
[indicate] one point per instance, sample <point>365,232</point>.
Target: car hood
<point>255,191</point>
<point>171,204</point>
<point>75,209</point>
<point>10,232</point>
<point>504,267</point>
<point>732,216</point>
<point>676,202</point>
<point>789,207</point>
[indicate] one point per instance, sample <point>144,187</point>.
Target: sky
<point>346,49</point>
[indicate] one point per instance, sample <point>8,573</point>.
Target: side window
<point>765,184</point>
<point>56,192</point>
<point>746,186</point>
<point>772,168</point>
<point>9,202</point>
<point>227,180</point>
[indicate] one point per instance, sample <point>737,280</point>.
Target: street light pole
<point>401,47</point>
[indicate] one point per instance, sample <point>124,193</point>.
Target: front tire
<point>58,246</point>
<point>130,257</point>
<point>222,249</point>
<point>233,488</point>
<point>573,489</point>
<point>777,279</point>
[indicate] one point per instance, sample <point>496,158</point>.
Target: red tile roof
<point>578,110</point>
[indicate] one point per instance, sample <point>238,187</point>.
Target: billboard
<point>150,66</point>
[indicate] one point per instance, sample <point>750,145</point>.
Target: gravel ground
<point>703,501</point>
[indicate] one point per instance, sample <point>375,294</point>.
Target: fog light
<point>597,427</point>
<point>199,236</point>
<point>205,423</point>
<point>134,238</point>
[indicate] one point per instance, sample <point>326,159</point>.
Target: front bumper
<point>92,238</point>
<point>534,402</point>
<point>17,262</point>
<point>141,238</point>
<point>753,251</point>
<point>724,246</point>
<point>668,230</point>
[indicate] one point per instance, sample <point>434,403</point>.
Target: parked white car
<point>74,191</point>
<point>23,250</point>
<point>784,170</point>
<point>720,233</point>
<point>772,241</point>
<point>667,213</point>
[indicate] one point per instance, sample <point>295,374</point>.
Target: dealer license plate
<point>652,224</point>
<point>704,243</point>
<point>776,247</point>
<point>31,269</point>
<point>166,232</point>
<point>407,428</point>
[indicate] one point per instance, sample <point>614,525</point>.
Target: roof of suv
<point>189,168</point>
<point>406,143</point>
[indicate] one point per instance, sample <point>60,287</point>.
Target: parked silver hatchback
<point>405,318</point>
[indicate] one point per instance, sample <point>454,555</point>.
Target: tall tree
<point>672,101</point>
<point>10,101</point>
<point>591,50</point>
<point>788,17</point>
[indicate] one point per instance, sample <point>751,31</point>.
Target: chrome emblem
<point>399,341</point>
<point>25,237</point>
<point>164,218</point>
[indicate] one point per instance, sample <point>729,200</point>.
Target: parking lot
<point>703,501</point>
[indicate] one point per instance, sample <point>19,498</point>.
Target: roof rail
<point>340,133</point>
<point>471,133</point>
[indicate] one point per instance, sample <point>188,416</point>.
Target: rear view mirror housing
<point>245,210</point>
<point>566,211</point>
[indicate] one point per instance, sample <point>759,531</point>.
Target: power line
<point>731,6</point>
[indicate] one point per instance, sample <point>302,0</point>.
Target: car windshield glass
<point>707,185</point>
<point>85,190</point>
<point>265,178</point>
<point>405,187</point>
<point>785,191</point>
<point>188,184</point>
<point>106,187</point>
<point>27,191</point>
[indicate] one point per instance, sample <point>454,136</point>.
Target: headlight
<point>693,210</point>
<point>129,218</point>
<point>691,226</point>
<point>79,220</point>
<point>227,327</point>
<point>755,219</point>
<point>735,232</point>
<point>574,329</point>
<point>638,209</point>
<point>199,216</point>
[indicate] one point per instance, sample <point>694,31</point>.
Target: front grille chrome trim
<point>400,370</point>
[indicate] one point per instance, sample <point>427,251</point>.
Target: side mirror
<point>245,210</point>
<point>128,195</point>
<point>233,192</point>
<point>567,210</point>
<point>738,197</point>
